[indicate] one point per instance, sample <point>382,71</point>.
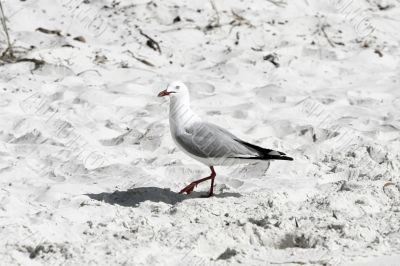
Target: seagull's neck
<point>180,113</point>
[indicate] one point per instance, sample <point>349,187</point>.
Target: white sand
<point>89,172</point>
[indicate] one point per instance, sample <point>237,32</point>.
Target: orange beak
<point>164,93</point>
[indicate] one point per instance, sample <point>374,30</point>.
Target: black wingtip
<point>266,158</point>
<point>265,154</point>
<point>278,157</point>
<point>286,158</point>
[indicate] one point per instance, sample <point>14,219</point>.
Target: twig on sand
<point>151,42</point>
<point>277,3</point>
<point>331,43</point>
<point>215,23</point>
<point>182,28</point>
<point>319,262</point>
<point>141,60</point>
<point>272,58</point>
<point>216,11</point>
<point>290,262</point>
<point>386,185</point>
<point>237,38</point>
<point>239,20</point>
<point>47,31</point>
<point>9,49</point>
<point>88,70</point>
<point>38,62</point>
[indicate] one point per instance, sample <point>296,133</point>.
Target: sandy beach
<point>89,174</point>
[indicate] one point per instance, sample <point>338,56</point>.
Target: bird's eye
<point>177,87</point>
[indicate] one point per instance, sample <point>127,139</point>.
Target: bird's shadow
<point>133,197</point>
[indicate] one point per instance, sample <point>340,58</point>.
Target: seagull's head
<point>176,89</point>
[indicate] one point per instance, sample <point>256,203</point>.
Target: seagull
<point>208,143</point>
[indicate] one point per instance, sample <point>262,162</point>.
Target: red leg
<point>213,174</point>
<point>188,189</point>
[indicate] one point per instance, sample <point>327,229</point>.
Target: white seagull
<point>206,142</point>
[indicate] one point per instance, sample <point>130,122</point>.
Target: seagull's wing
<point>207,140</point>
